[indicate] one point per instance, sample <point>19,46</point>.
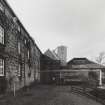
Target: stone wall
<point>15,33</point>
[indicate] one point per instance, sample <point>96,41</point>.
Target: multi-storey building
<point>62,53</point>
<point>19,55</point>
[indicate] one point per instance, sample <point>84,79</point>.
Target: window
<point>28,54</point>
<point>15,19</point>
<point>18,27</point>
<point>8,14</point>
<point>19,47</point>
<point>1,35</point>
<point>1,67</point>
<point>1,7</point>
<point>25,41</point>
<point>19,70</point>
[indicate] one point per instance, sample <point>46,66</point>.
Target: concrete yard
<point>47,95</point>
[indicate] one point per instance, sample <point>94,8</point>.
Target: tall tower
<point>62,53</point>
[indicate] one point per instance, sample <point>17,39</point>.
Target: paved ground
<point>47,95</point>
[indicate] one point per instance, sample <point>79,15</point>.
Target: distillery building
<point>19,54</point>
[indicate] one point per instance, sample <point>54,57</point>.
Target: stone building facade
<point>19,55</point>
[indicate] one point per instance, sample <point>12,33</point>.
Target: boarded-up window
<point>1,67</point>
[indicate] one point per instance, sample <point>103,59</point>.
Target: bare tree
<point>101,58</point>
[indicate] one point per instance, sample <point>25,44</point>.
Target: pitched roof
<point>57,57</point>
<point>50,54</point>
<point>78,63</point>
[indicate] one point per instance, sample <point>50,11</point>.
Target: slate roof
<point>51,54</point>
<point>84,63</point>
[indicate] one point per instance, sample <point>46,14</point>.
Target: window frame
<point>28,54</point>
<point>2,67</point>
<point>19,70</point>
<point>19,48</point>
<point>1,35</point>
<point>2,7</point>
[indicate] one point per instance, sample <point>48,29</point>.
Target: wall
<point>20,67</point>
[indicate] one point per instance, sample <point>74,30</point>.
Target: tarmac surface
<point>47,95</point>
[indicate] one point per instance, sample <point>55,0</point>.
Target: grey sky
<point>77,24</point>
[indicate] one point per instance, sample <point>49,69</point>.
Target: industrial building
<point>62,53</point>
<point>22,62</point>
<point>59,53</point>
<point>19,54</point>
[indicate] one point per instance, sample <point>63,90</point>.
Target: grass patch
<point>99,93</point>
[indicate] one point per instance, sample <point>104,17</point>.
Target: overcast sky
<point>77,24</point>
